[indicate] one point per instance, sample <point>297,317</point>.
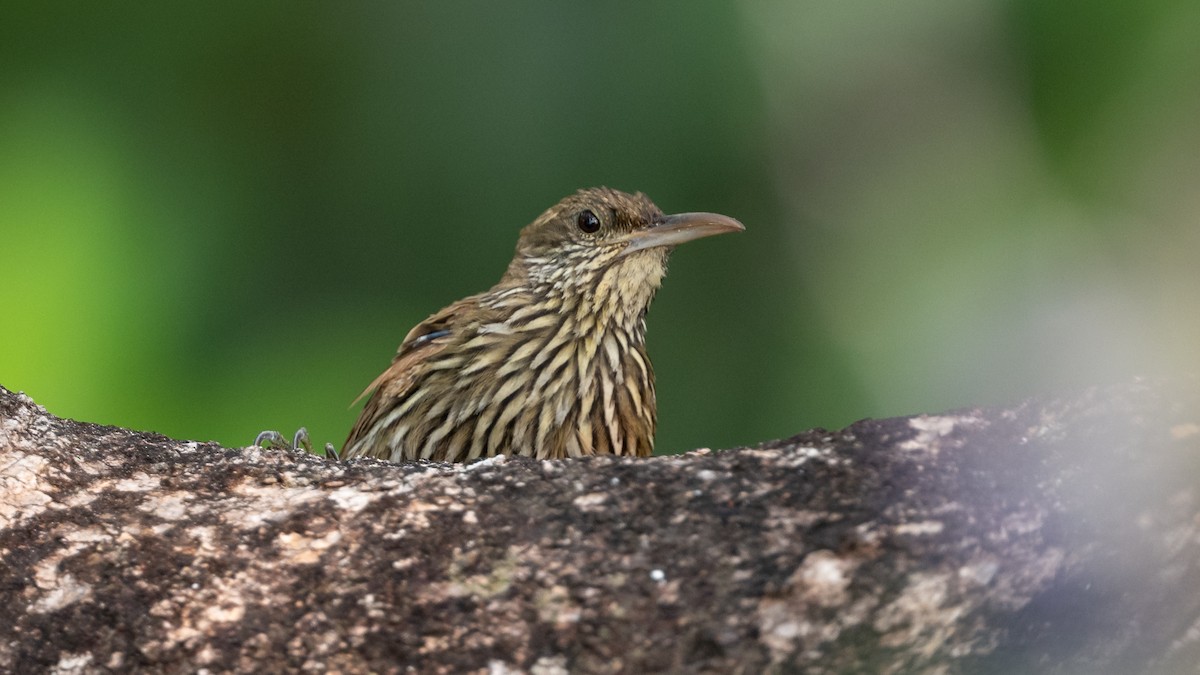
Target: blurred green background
<point>218,218</point>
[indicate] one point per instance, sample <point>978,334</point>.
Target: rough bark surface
<point>1060,535</point>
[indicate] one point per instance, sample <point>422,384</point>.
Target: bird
<point>550,362</point>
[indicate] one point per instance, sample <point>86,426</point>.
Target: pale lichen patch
<point>351,500</point>
<point>932,428</point>
<point>167,505</point>
<point>555,606</point>
<point>225,613</point>
<point>305,550</point>
<point>58,588</point>
<point>203,537</point>
<point>1016,587</point>
<point>798,620</point>
<point>24,495</point>
<point>550,665</point>
<point>591,502</point>
<point>921,616</point>
<point>88,535</point>
<point>490,584</point>
<point>487,463</point>
<point>251,506</point>
<point>921,528</point>
<point>979,572</point>
<point>70,664</point>
<point>66,591</point>
<point>1017,525</point>
<point>823,578</point>
<point>137,482</point>
<point>795,457</point>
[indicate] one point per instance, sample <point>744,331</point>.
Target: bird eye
<point>587,221</point>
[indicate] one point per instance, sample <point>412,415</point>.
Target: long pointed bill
<point>681,227</point>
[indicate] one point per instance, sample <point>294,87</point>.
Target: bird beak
<point>681,227</point>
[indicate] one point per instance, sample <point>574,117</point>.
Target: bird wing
<point>423,342</point>
<point>425,339</point>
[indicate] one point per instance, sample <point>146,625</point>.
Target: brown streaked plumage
<point>549,363</point>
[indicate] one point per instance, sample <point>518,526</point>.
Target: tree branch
<point>1061,535</point>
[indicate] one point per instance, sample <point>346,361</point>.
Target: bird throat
<point>578,349</point>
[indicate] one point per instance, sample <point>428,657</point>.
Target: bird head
<point>607,248</point>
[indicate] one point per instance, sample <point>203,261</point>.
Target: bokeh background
<point>217,218</point>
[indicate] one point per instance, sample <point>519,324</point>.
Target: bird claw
<point>272,439</point>
<point>301,440</point>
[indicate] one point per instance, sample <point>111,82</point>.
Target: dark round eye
<point>587,221</point>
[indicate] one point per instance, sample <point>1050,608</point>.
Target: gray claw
<point>270,439</point>
<point>301,440</point>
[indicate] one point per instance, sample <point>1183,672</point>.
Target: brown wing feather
<point>394,383</point>
<point>391,385</point>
